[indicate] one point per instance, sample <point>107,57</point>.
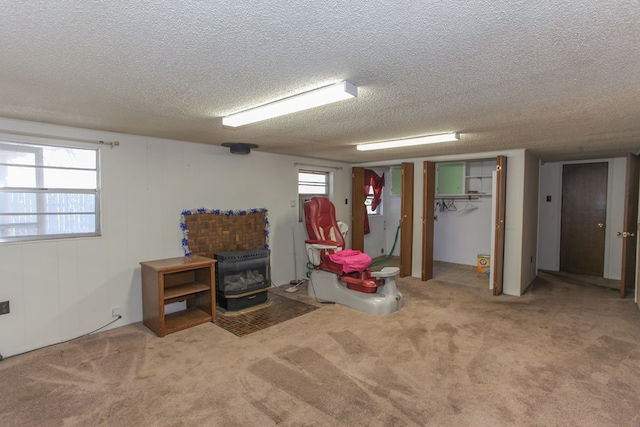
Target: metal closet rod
<point>65,138</point>
<point>465,197</point>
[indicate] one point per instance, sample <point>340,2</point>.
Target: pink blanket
<point>351,260</point>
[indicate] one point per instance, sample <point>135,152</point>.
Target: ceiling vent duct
<point>239,147</point>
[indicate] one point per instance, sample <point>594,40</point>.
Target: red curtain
<point>372,180</point>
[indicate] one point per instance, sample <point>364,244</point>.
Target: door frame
<point>630,225</point>
<point>406,220</point>
<point>428,219</point>
<point>501,207</point>
<point>357,209</point>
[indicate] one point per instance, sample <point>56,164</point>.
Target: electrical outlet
<point>115,312</point>
<point>4,307</point>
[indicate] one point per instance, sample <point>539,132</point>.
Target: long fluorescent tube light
<point>304,101</point>
<point>409,142</point>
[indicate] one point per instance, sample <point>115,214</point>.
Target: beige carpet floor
<point>564,354</point>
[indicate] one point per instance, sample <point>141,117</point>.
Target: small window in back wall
<point>311,183</point>
<point>48,192</point>
<point>368,201</point>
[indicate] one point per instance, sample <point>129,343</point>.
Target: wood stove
<point>242,278</point>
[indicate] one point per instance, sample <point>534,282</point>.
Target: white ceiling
<point>561,78</point>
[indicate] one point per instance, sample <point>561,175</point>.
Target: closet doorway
<point>479,188</point>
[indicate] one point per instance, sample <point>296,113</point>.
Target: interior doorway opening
<point>462,213</point>
<point>390,227</point>
<point>463,220</point>
<point>382,242</point>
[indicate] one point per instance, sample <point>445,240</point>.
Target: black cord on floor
<point>69,340</point>
<point>314,295</point>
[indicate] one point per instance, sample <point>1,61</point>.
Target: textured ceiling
<point>560,78</point>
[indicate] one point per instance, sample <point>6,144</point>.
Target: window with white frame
<point>369,200</point>
<point>311,183</point>
<point>48,191</point>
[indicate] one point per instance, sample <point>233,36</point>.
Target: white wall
<point>549,215</point>
<point>392,217</point>
<point>61,289</point>
<point>529,221</point>
<point>461,235</point>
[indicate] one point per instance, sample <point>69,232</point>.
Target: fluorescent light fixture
<point>409,142</point>
<point>304,101</point>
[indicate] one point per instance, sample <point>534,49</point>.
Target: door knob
<point>601,225</point>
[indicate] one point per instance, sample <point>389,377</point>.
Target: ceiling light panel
<point>409,142</point>
<point>304,101</point>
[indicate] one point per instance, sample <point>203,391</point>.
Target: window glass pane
<point>17,203</point>
<point>312,177</point>
<point>17,176</point>
<point>38,225</point>
<point>67,224</point>
<point>16,155</point>
<point>65,178</point>
<point>310,189</point>
<point>18,226</point>
<point>68,157</point>
<point>76,203</point>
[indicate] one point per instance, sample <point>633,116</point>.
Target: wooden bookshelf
<point>165,281</point>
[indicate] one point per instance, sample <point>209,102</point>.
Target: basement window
<point>48,192</point>
<point>311,183</point>
<point>368,202</point>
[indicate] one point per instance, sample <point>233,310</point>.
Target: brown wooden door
<point>357,209</point>
<point>584,214</point>
<point>499,226</point>
<point>428,201</point>
<point>629,227</point>
<point>406,220</point>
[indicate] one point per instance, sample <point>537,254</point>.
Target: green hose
<point>373,264</point>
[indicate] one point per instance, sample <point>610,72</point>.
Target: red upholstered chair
<point>326,239</point>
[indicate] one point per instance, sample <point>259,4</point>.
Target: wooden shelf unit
<point>165,281</point>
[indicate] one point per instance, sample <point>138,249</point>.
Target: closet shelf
<point>464,179</point>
